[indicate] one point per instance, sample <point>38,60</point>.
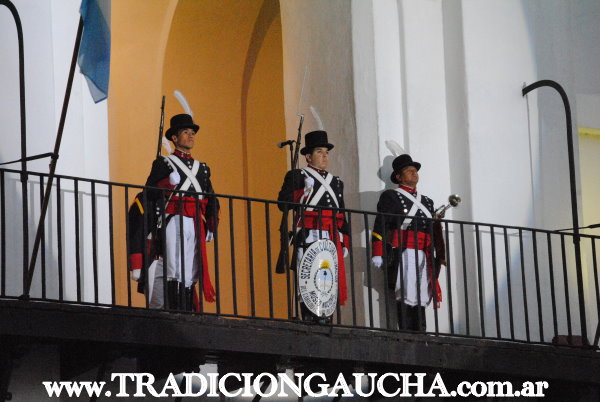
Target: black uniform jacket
<point>159,177</point>
<point>386,230</point>
<point>292,190</point>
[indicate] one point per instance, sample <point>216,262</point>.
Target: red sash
<point>311,221</point>
<point>423,242</point>
<point>195,208</point>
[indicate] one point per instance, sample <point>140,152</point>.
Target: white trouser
<point>173,253</point>
<point>410,266</point>
<point>173,250</point>
<point>157,292</point>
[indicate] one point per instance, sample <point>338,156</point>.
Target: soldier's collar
<point>320,171</point>
<point>182,155</point>
<point>410,190</point>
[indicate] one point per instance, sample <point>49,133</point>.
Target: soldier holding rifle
<point>190,218</point>
<point>314,187</point>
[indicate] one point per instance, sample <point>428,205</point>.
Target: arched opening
<point>226,59</point>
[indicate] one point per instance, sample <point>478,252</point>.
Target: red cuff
<point>212,223</point>
<point>164,183</point>
<point>135,261</point>
<point>346,241</point>
<point>298,194</point>
<point>377,248</point>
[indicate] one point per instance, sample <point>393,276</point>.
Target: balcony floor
<point>239,342</point>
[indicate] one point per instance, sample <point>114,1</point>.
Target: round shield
<point>318,278</point>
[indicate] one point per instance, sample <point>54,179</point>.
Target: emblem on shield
<point>318,278</point>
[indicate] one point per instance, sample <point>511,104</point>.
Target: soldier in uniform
<point>190,219</point>
<point>412,269</point>
<point>314,187</point>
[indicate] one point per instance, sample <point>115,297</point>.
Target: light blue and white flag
<point>94,52</point>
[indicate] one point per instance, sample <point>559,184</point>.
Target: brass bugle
<point>453,201</point>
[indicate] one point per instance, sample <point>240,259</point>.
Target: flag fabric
<point>94,51</point>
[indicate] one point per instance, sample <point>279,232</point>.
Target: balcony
<point>511,306</point>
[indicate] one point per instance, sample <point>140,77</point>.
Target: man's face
<point>184,140</point>
<point>319,158</point>
<point>409,176</point>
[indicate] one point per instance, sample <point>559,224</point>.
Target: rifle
<point>286,238</point>
<point>161,127</point>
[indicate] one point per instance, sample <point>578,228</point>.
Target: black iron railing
<point>501,282</point>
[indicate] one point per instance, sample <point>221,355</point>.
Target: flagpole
<point>54,158</point>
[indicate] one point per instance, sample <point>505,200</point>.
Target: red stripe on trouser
<point>311,221</point>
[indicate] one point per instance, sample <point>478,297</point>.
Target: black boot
<point>189,299</point>
<point>172,295</point>
<point>404,316</point>
<point>419,319</point>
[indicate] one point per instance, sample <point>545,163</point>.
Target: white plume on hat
<point>184,102</point>
<point>394,147</point>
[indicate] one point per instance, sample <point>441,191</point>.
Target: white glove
<point>135,274</point>
<point>209,236</point>
<point>345,252</point>
<point>377,261</point>
<point>174,178</point>
<point>309,182</point>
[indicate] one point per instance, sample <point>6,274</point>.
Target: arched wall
<point>225,57</point>
<point>139,31</point>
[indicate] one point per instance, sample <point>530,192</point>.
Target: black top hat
<point>399,163</point>
<point>178,122</point>
<point>315,139</point>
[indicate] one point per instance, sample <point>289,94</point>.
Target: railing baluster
<point>59,247</point>
<point>269,266</point>
<point>566,285</point>
<point>3,237</point>
<point>433,279</point>
<point>43,242</point>
<point>537,284</point>
<point>163,240</point>
<point>286,263</point>
<point>524,285</point>
<point>417,224</point>
<point>480,281</point>
<point>449,278</point>
<point>509,284</point>
<point>351,255</point>
<point>402,319</point>
<point>250,258</point>
<point>336,235</point>
<point>127,245</point>
<point>465,281</point>
<point>232,243</point>
<point>199,255</point>
<point>182,285</point>
<point>385,269</point>
<point>111,245</point>
<point>77,245</point>
<point>94,243</point>
<point>552,295</point>
<point>217,267</point>
<point>297,228</point>
<point>368,256</point>
<point>495,279</point>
